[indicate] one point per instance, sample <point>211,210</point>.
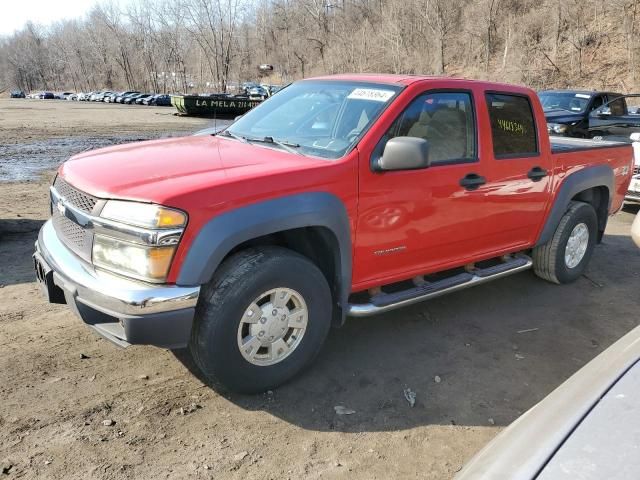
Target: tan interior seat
<point>445,130</point>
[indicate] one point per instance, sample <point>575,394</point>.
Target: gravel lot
<point>75,407</point>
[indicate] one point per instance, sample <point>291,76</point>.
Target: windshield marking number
<point>374,94</point>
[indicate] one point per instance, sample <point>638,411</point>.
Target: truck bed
<point>568,144</point>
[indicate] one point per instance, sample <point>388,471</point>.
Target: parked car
<point>130,99</point>
<point>257,92</point>
<point>367,193</point>
<point>633,192</point>
<point>158,100</point>
<point>46,96</point>
<point>120,98</point>
<point>99,96</point>
<point>141,98</point>
<point>585,429</point>
<point>569,112</point>
<point>162,101</point>
<point>635,230</point>
<point>111,98</point>
<point>150,99</point>
<point>17,94</point>
<point>73,96</point>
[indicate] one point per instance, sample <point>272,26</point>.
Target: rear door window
<point>513,126</point>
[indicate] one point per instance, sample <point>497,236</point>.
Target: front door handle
<point>537,173</point>
<point>472,181</point>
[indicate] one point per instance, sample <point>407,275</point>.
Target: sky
<point>16,13</point>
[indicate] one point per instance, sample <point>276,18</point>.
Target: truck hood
<point>158,170</point>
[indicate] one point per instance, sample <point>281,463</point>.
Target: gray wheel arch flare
<point>224,232</point>
<point>575,183</point>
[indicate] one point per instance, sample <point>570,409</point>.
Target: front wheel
<point>564,258</point>
<point>262,318</point>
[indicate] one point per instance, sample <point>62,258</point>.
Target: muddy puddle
<point>25,161</point>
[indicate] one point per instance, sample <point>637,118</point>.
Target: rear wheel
<point>262,318</point>
<point>564,258</point>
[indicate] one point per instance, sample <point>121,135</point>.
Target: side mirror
<point>635,137</point>
<point>404,153</point>
<point>603,112</point>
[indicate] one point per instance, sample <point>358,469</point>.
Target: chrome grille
<point>75,197</point>
<point>71,233</point>
<point>74,236</point>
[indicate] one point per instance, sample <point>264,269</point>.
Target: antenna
<point>215,118</point>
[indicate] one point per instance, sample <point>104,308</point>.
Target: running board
<point>383,302</point>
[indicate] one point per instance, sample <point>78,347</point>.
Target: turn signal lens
<point>166,217</point>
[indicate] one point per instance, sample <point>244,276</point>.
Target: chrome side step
<point>383,302</point>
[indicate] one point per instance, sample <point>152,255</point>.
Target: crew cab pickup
<point>340,195</point>
<point>583,114</point>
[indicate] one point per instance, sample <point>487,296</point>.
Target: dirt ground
<point>59,382</point>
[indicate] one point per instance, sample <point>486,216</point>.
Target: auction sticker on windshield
<point>374,94</point>
<point>583,95</point>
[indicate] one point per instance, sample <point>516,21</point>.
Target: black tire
<point>549,259</point>
<point>223,301</point>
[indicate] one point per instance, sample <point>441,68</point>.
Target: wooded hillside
<point>167,45</point>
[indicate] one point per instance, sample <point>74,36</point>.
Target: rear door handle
<point>472,181</point>
<point>537,173</point>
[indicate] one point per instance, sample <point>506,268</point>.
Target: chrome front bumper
<point>124,311</point>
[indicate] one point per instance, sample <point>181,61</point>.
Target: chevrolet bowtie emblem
<point>61,208</point>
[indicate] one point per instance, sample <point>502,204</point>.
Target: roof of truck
<point>406,79</point>
<point>375,78</point>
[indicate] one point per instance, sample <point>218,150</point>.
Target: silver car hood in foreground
<point>606,445</point>
<point>528,445</point>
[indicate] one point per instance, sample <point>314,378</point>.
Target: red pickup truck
<point>340,195</point>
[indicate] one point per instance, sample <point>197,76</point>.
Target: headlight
<point>557,128</point>
<point>138,261</point>
<point>143,214</point>
<point>139,240</point>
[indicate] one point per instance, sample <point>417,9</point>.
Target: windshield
<point>318,118</point>
<point>569,101</point>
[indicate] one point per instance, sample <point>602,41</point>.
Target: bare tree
<point>442,16</point>
<point>206,45</point>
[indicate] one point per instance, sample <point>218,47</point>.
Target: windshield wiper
<point>288,146</point>
<point>227,133</point>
